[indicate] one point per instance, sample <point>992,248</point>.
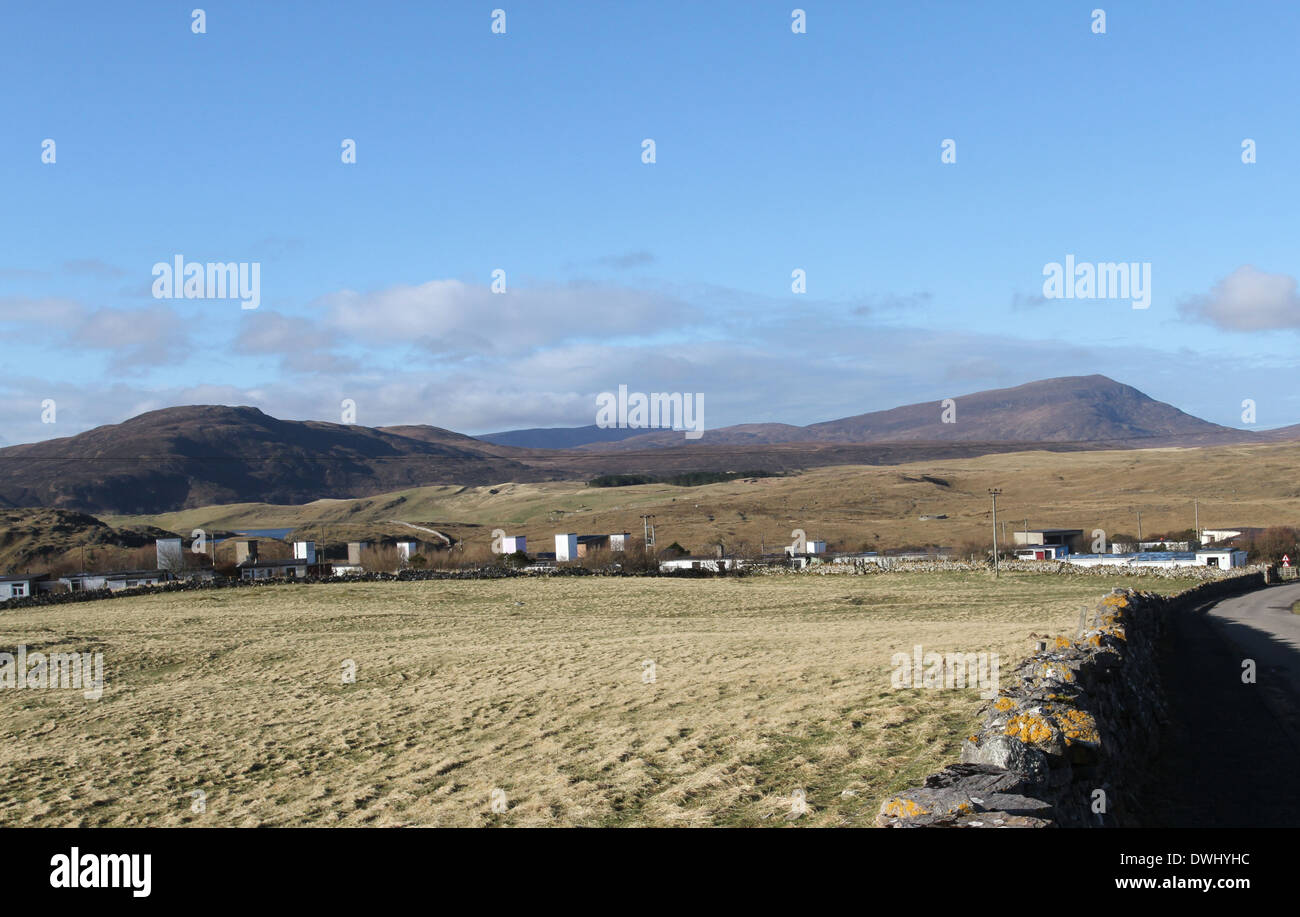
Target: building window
<point>17,590</point>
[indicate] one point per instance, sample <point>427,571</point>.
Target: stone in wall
<point>1067,743</point>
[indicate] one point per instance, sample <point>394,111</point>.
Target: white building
<point>700,563</point>
<point>407,549</point>
<point>114,582</point>
<point>169,554</point>
<point>19,586</point>
<point>566,547</point>
<point>1225,558</point>
<point>245,551</point>
<point>512,544</point>
<point>133,579</point>
<point>305,550</point>
<point>1214,536</point>
<point>84,582</point>
<point>811,546</point>
<point>274,569</point>
<point>1164,546</point>
<point>1041,552</point>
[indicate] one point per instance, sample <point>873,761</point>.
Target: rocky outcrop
<point>1069,740</point>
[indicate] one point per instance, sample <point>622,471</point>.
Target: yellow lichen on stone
<point>1115,601</point>
<point>1118,631</point>
<point>1003,703</point>
<point>1057,670</point>
<point>1062,643</point>
<point>1029,728</point>
<point>903,808</point>
<point>1078,726</point>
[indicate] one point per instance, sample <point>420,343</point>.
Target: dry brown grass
<point>849,506</point>
<point>763,686</point>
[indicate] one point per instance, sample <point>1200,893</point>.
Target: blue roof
<point>1146,555</point>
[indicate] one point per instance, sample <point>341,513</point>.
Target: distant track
<point>420,528</point>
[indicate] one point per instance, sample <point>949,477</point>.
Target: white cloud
<point>456,318</point>
<point>1248,299</point>
<point>138,339</point>
<point>538,356</point>
<point>49,311</point>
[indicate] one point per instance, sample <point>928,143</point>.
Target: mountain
<point>1281,434</point>
<point>558,437</point>
<point>195,456</point>
<point>1070,409</point>
<point>203,455</point>
<point>1067,409</point>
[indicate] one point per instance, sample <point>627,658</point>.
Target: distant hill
<point>204,455</point>
<point>1073,409</point>
<point>558,437</point>
<point>1282,434</point>
<point>32,537</point>
<point>195,456</point>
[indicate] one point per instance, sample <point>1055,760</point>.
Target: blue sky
<point>522,152</point>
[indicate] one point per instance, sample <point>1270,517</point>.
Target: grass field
<point>762,687</point>
<point>851,507</point>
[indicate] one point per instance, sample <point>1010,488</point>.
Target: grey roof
<point>114,574</point>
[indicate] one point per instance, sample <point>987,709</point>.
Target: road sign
<point>1286,560</point>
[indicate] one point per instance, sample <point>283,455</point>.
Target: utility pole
<point>649,530</point>
<point>993,492</point>
<point>1139,530</point>
<point>1198,520</point>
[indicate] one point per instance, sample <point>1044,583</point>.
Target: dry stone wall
<point>1068,741</point>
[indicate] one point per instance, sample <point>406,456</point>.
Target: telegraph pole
<point>1198,520</point>
<point>1139,530</point>
<point>649,531</point>
<point>993,492</point>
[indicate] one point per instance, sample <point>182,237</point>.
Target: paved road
<point>1231,757</point>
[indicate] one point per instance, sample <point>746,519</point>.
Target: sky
<point>519,157</point>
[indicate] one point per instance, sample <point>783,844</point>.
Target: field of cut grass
<point>764,689</point>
